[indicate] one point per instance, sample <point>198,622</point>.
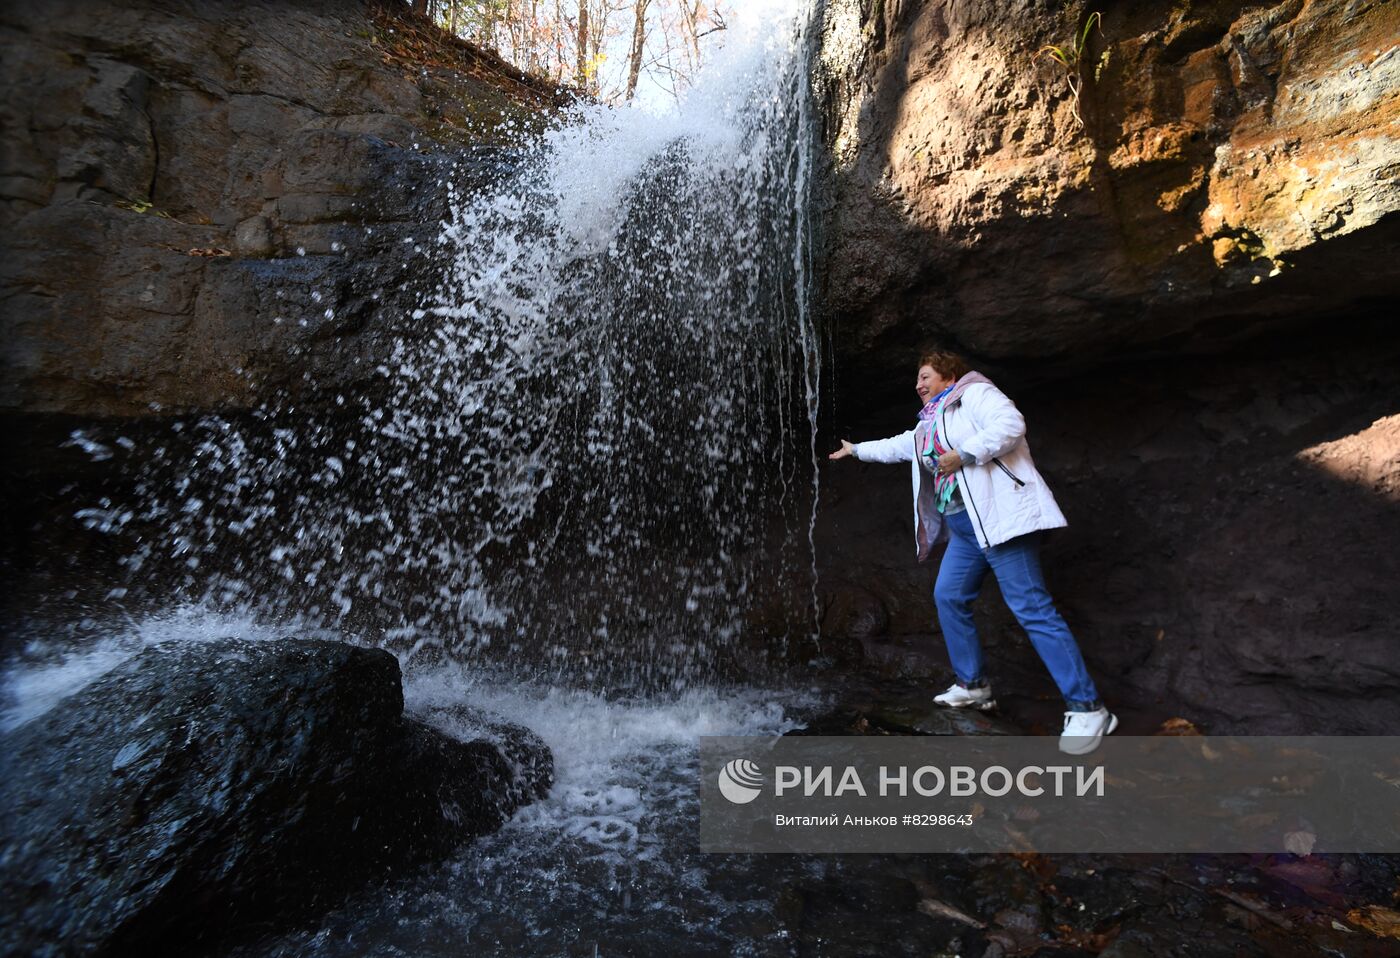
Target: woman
<point>976,488</point>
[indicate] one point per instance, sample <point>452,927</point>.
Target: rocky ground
<point>1125,906</point>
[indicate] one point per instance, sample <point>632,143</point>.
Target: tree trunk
<point>597,27</point>
<point>420,7</point>
<point>691,14</point>
<point>639,36</point>
<point>581,76</point>
<point>488,27</point>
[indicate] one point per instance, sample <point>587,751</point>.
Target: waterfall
<point>620,387</point>
<point>590,448</point>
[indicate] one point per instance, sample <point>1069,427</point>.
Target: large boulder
<point>202,787</point>
<point>1235,168</point>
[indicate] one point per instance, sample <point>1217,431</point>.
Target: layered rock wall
<point>203,203</point>
<point>1236,165</point>
<point>1185,276</point>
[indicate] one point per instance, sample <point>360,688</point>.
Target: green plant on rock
<point>141,206</point>
<point>1070,57</point>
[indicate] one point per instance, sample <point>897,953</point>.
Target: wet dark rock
<point>909,713</point>
<point>204,787</point>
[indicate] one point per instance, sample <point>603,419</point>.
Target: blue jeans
<point>1017,567</point>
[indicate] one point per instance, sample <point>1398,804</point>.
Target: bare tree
<point>606,46</point>
<point>639,39</point>
<point>690,20</point>
<point>597,33</point>
<point>581,75</point>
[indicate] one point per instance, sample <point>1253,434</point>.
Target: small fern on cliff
<point>1070,57</point>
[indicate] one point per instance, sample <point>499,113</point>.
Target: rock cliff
<point>205,203</point>
<point>1184,277</point>
<point>1229,556</point>
<point>1223,167</point>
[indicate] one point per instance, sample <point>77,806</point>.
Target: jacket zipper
<point>963,486</point>
<point>1007,471</point>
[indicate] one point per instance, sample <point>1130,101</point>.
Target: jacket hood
<point>970,378</point>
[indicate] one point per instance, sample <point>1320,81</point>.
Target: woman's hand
<point>846,450</point>
<point>950,462</point>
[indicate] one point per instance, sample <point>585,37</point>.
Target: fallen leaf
<point>1178,726</point>
<point>1025,845</point>
<point>1377,919</point>
<point>1036,863</point>
<point>208,251</point>
<point>940,909</point>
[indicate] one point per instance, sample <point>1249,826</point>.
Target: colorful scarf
<point>931,407</point>
<point>944,485</point>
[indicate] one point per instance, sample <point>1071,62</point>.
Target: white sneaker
<point>958,697</point>
<point>1084,730</point>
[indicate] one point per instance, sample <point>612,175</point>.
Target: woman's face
<point>930,383</point>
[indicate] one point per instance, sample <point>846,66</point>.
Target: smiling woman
<point>977,489</point>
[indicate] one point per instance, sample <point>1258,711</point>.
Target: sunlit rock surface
<point>1188,294</point>
<point>1234,167</point>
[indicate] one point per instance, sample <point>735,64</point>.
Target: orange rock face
<point>1232,168</point>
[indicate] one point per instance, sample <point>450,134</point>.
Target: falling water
<point>590,453</point>
<point>590,448</point>
<point>617,398</point>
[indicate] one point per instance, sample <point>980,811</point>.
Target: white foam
<point>616,761</point>
<point>52,670</point>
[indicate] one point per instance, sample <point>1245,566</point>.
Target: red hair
<point>946,364</point>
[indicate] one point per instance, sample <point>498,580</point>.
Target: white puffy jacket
<point>1004,493</point>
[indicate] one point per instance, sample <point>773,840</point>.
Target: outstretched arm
<point>894,449</point>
